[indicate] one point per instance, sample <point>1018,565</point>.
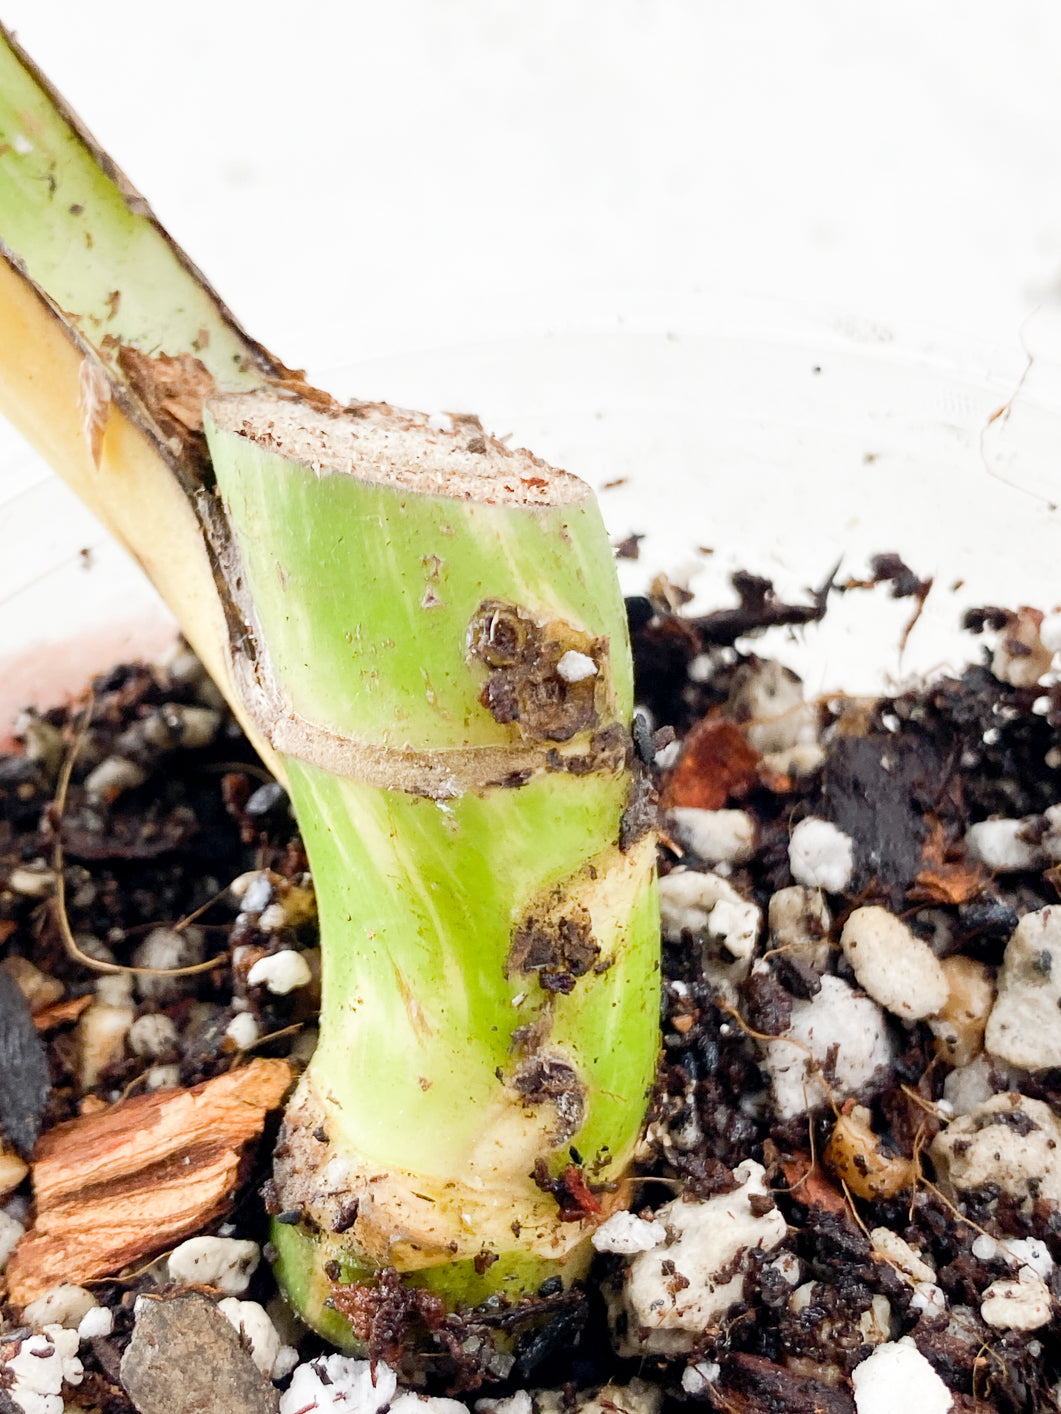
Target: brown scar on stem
<point>558,950</point>
<point>549,1078</point>
<point>524,686</point>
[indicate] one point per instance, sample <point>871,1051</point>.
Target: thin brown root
<point>62,918</point>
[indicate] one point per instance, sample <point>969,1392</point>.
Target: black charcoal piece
<point>24,1078</point>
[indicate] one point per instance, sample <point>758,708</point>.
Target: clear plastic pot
<point>731,435</point>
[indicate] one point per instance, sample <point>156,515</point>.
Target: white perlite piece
<point>897,1376</point>
<point>1030,1252</point>
<point>339,1383</point>
<point>162,950</point>
<point>111,777</point>
<point>1009,1141</point>
<point>1006,846</point>
<point>708,1246</point>
<point>715,836</point>
<point>519,1402</point>
<point>767,699</point>
<point>575,667</point>
<point>896,968</point>
<point>1050,631</point>
<point>281,972</point>
<point>799,922</point>
<point>102,1028</point>
<point>696,1378</point>
<point>273,1358</point>
<point>1024,1027</point>
<point>40,1368</point>
<point>227,1263</point>
<point>243,1030</point>
<point>410,1403</point>
<point>152,1035</point>
<point>821,856</point>
<point>711,911</point>
<point>10,1234</point>
<point>637,1397</point>
<point>64,1305</point>
<point>889,1247</point>
<point>99,1320</point>
<point>835,1017</point>
<point>1021,658</point>
<point>626,1233</point>
<point>1017,1305</point>
<point>968,1086</point>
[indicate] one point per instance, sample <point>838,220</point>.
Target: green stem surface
<point>490,945</point>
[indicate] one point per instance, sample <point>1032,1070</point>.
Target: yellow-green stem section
<point>433,1029</point>
<point>418,904</point>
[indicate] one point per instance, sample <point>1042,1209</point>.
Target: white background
<point>426,199</point>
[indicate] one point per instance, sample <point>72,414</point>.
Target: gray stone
<point>185,1358</point>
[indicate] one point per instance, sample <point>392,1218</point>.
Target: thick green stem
<point>425,630</point>
<point>441,658</point>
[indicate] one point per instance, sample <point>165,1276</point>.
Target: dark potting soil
<point>167,806</point>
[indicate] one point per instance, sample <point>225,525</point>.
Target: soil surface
<point>890,1237</point>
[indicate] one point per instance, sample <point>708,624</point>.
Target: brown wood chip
<point>119,1185</point>
<point>61,1013</point>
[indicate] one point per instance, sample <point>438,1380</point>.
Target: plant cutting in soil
<point>847,1190</point>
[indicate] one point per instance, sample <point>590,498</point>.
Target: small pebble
<point>102,1028</point>
<point>1021,658</point>
<point>821,856</point>
<point>185,1358</point>
<point>281,972</point>
<point>264,799</point>
<point>39,989</point>
<point>13,1170</point>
